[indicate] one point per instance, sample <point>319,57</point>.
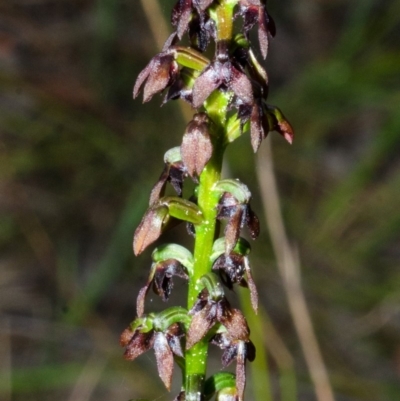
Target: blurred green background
<point>78,158</point>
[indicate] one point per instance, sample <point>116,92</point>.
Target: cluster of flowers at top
<point>191,16</point>
<point>184,72</point>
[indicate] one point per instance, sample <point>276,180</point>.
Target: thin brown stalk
<point>5,359</point>
<point>289,269</point>
<point>155,18</point>
<point>274,342</point>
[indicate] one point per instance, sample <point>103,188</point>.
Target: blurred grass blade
<point>111,265</point>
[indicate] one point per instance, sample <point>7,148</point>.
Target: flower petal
<point>141,79</point>
<point>241,86</point>
<point>228,355</point>
<point>162,70</point>
<point>256,128</point>
<point>236,325</point>
<point>203,4</point>
<point>196,148</point>
<point>164,358</point>
<point>126,337</point>
<point>174,335</point>
<point>252,286</point>
<point>263,31</point>
<point>159,188</point>
<point>150,228</point>
<point>141,299</point>
<point>252,222</point>
<point>200,325</point>
<point>232,229</point>
<point>204,85</point>
<point>241,370</point>
<point>140,343</point>
<point>181,14</point>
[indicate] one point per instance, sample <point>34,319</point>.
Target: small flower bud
<point>196,148</point>
<point>150,228</point>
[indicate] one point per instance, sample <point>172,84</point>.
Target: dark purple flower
<point>181,88</point>
<point>265,119</point>
<point>223,74</point>
<point>167,212</point>
<point>189,15</point>
<point>201,30</point>
<point>181,15</point>
<point>238,214</point>
<point>150,228</point>
<point>161,280</point>
<point>165,345</point>
<point>253,12</point>
<point>160,73</point>
<point>232,269</point>
<point>239,349</point>
<point>206,312</point>
<point>174,172</point>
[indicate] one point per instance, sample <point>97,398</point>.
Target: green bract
<point>218,382</point>
<point>166,318</point>
<point>211,283</point>
<point>174,251</point>
<point>173,155</point>
<point>190,58</point>
<point>143,324</point>
<point>242,247</point>
<point>234,187</point>
<point>182,209</point>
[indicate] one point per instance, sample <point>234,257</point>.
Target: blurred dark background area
<point>78,158</point>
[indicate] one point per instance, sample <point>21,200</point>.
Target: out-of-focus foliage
<point>78,158</point>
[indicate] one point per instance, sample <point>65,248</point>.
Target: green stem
<point>216,107</point>
<point>223,15</point>
<point>196,357</point>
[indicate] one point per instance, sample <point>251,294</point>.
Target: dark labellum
<point>238,215</point>
<point>161,279</point>
<point>206,312</point>
<point>175,173</point>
